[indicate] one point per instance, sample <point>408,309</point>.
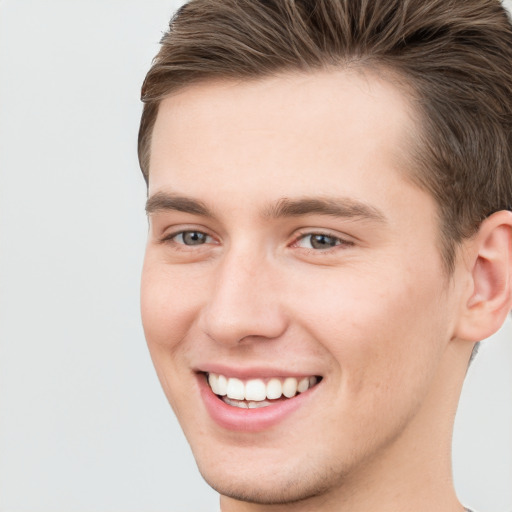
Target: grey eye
<point>318,241</point>
<point>323,241</point>
<point>192,238</point>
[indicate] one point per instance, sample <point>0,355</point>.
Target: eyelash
<point>170,238</point>
<point>338,242</point>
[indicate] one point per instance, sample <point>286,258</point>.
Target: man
<point>329,196</point>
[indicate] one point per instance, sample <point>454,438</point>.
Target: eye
<point>319,241</point>
<point>190,238</point>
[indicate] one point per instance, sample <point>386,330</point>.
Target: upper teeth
<point>259,389</point>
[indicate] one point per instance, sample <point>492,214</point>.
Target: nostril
<point>241,312</point>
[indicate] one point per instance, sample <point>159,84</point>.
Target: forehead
<point>341,132</point>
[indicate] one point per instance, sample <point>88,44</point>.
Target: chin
<point>278,492</point>
<point>275,484</point>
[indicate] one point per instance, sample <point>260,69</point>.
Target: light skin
<point>286,239</point>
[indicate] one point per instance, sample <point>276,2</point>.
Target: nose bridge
<point>244,299</point>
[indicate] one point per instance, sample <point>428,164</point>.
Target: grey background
<point>84,425</point>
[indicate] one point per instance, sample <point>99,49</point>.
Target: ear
<point>489,298</point>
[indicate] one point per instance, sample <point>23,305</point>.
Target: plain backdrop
<point>84,425</point>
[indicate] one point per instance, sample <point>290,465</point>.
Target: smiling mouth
<point>256,393</point>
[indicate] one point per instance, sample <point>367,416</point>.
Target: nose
<point>243,302</point>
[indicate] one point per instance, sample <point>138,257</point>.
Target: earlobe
<point>486,308</point>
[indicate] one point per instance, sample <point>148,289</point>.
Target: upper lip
<point>254,372</point>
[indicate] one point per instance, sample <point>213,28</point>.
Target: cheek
<point>168,305</point>
<point>168,310</point>
<point>381,328</point>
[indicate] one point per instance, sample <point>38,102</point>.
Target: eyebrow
<point>335,207</point>
<point>164,201</point>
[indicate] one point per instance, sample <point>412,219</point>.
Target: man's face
<point>285,243</point>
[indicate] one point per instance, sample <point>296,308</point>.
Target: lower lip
<point>249,420</point>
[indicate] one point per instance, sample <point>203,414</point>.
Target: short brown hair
<point>454,55</point>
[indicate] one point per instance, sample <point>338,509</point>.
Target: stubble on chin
<point>278,489</point>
